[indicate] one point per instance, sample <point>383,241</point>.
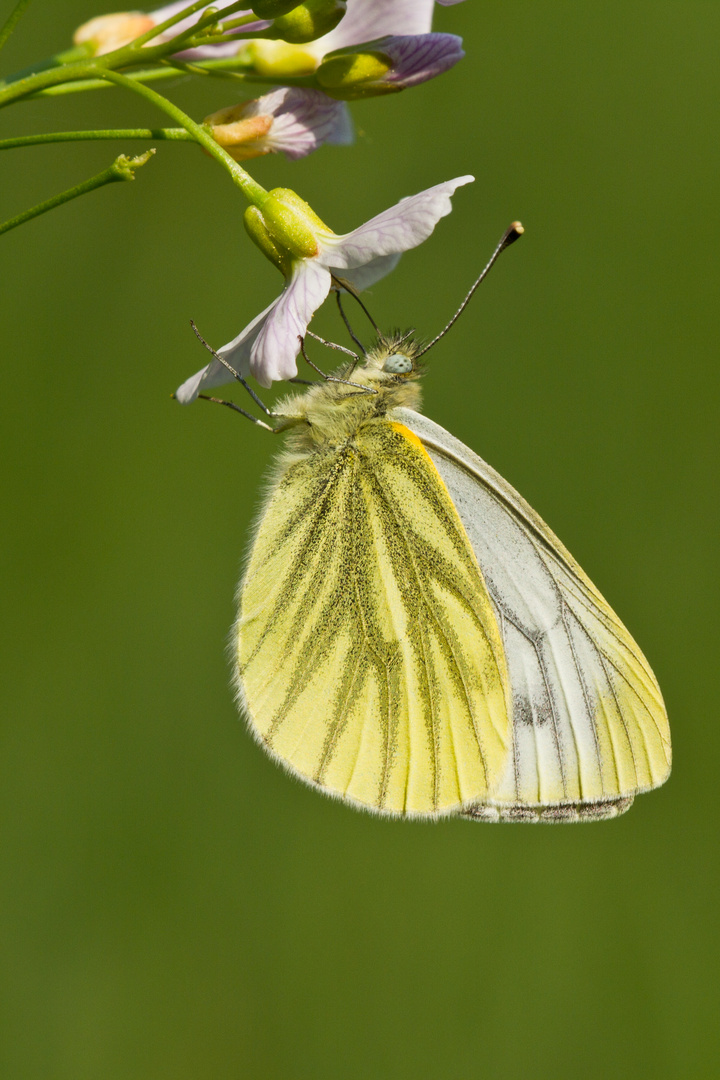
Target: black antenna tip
<point>513,233</point>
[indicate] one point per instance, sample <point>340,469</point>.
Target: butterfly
<point>411,636</point>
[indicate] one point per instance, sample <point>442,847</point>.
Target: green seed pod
<point>348,75</point>
<point>258,233</point>
<point>292,224</point>
<point>271,9</point>
<point>310,20</point>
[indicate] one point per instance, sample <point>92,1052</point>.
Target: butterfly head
<point>398,364</point>
<point>393,359</point>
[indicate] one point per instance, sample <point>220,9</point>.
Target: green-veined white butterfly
<point>412,637</point>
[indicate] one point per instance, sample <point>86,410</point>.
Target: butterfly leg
<point>333,345</point>
<point>236,375</point>
<point>236,408</point>
<point>332,378</point>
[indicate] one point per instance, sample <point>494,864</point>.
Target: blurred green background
<point>172,904</point>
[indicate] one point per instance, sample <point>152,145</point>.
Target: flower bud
<point>348,75</point>
<point>287,120</point>
<point>109,32</point>
<point>388,64</point>
<point>292,223</point>
<point>278,59</point>
<point>239,133</point>
<point>258,233</point>
<point>310,20</point>
<point>272,9</point>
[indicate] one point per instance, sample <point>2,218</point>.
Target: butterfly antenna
<point>343,284</point>
<point>509,237</point>
<point>348,327</point>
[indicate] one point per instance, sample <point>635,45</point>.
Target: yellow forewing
<point>369,657</point>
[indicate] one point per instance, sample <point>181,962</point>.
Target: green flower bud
<point>271,9</point>
<point>257,231</point>
<point>349,75</point>
<point>277,59</point>
<point>310,20</point>
<point>108,32</point>
<point>292,224</point>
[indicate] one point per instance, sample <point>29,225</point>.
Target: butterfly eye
<point>398,364</point>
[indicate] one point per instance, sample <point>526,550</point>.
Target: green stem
<point>89,68</point>
<point>308,82</point>
<point>79,52</point>
<point>221,39</point>
<point>185,14</point>
<point>221,69</point>
<point>82,69</point>
<point>176,18</point>
<point>135,51</point>
<point>194,35</point>
<point>250,188</point>
<point>12,20</point>
<point>89,72</point>
<point>123,168</point>
<point>171,134</point>
<point>79,85</point>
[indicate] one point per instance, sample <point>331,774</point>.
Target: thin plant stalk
<point>160,134</point>
<point>123,168</point>
<point>253,191</point>
<point>12,20</point>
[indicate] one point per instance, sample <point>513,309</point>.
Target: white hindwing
<point>589,725</point>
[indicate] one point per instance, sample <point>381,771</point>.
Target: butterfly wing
<point>588,721</point>
<point>370,661</point>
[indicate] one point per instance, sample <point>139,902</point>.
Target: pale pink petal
<point>400,228</point>
<point>343,131</point>
<point>303,120</point>
<point>213,374</point>
<point>366,20</point>
<point>362,277</point>
<point>268,346</point>
<point>419,57</point>
<point>275,349</point>
<point>237,354</point>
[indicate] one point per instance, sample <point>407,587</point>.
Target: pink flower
<point>293,121</point>
<point>387,65</point>
<point>267,348</point>
<point>395,32</point>
<point>110,32</point>
<point>365,21</point>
